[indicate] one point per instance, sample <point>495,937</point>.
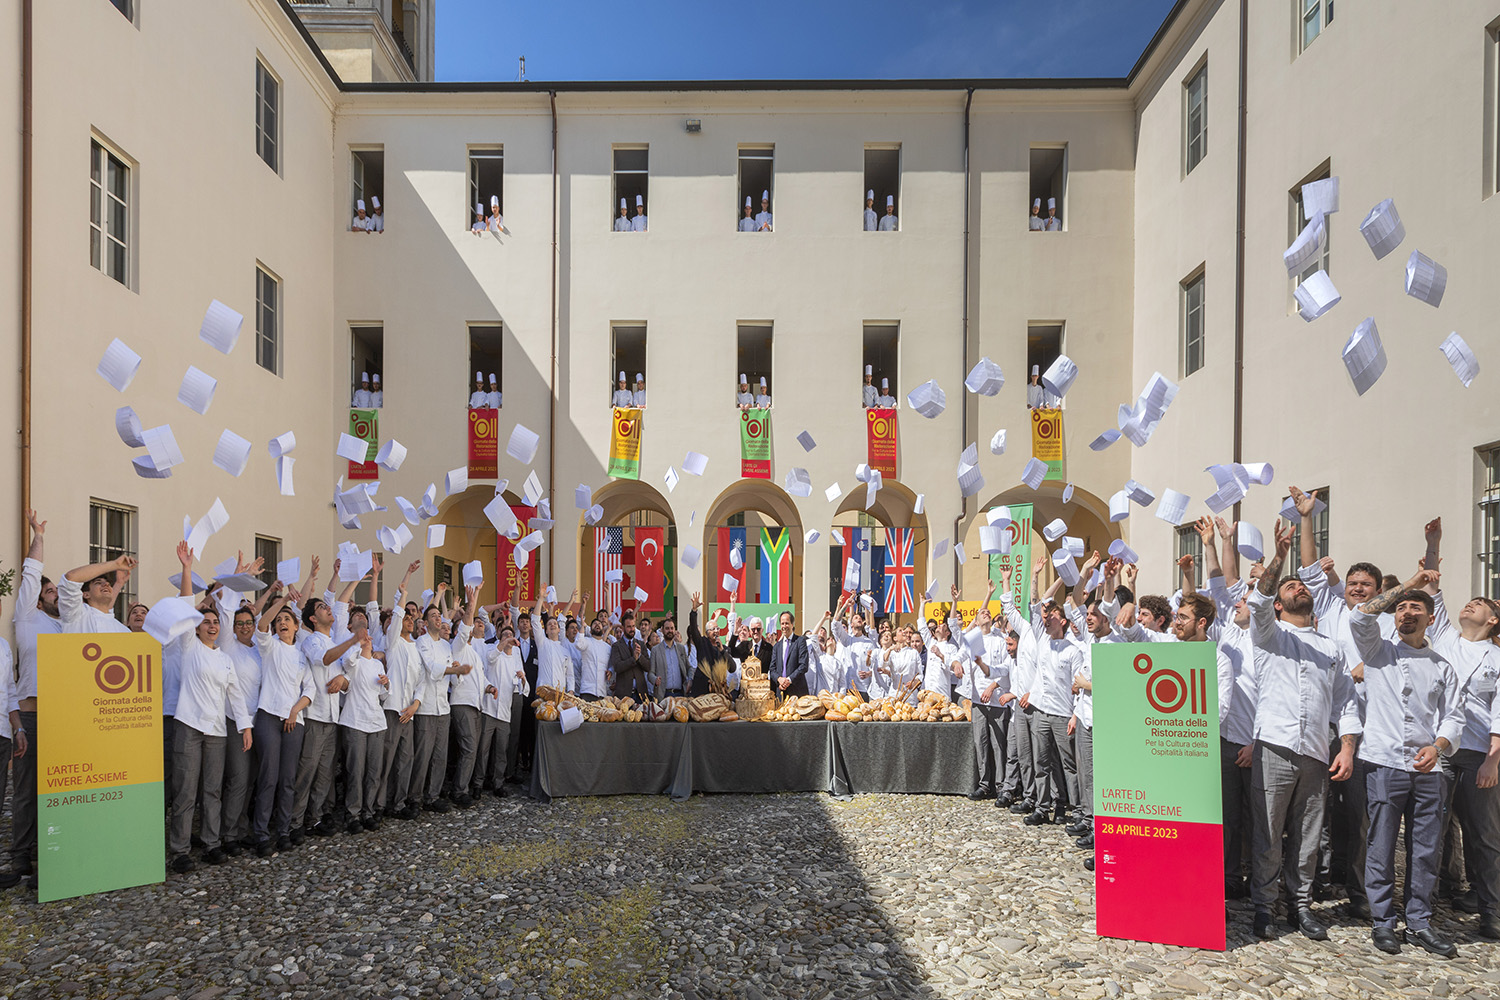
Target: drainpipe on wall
<point>963,510</point>
<point>26,75</point>
<point>1239,254</point>
<point>552,371</point>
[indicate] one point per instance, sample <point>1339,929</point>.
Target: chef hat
<point>1037,203</point>
<point>747,201</point>
<point>1036,369</point>
<point>890,201</point>
<point>885,383</point>
<point>364,376</point>
<point>493,380</point>
<point>375,200</point>
<point>375,378</point>
<point>1051,202</point>
<point>359,203</point>
<point>479,208</point>
<point>622,377</point>
<point>762,381</point>
<point>639,377</point>
<point>622,202</point>
<point>479,376</point>
<point>870,195</point>
<point>494,201</point>
<point>765,195</point>
<point>638,201</point>
<point>743,379</point>
<point>869,369</point>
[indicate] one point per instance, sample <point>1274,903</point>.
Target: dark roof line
<point>700,86</point>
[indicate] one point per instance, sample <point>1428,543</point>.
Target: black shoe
<point>232,849</point>
<point>1086,842</point>
<point>324,829</point>
<point>1235,888</point>
<point>412,811</point>
<point>23,869</point>
<point>1322,891</point>
<point>499,792</point>
<point>1428,939</point>
<point>10,879</point>
<point>284,844</point>
<point>182,864</point>
<point>1079,828</point>
<point>1358,909</point>
<point>264,849</point>
<point>1003,800</point>
<point>978,795</point>
<point>463,800</point>
<point>1037,818</point>
<point>371,823</point>
<point>1312,928</point>
<point>438,806</point>
<point>354,826</point>
<point>296,837</point>
<point>1489,926</point>
<point>1088,863</point>
<point>1263,925</point>
<point>216,856</point>
<point>1386,940</point>
<point>1023,807</point>
<point>1465,902</point>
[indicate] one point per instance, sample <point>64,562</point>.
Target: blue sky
<point>824,39</point>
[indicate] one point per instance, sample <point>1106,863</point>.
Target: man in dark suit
<point>630,660</point>
<point>788,664</point>
<point>754,645</point>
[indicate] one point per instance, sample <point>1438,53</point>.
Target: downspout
<point>552,370</point>
<point>26,119</point>
<point>963,510</point>
<point>1239,254</point>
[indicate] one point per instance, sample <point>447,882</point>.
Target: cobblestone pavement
<point>744,897</point>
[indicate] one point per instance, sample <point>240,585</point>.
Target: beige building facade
<point>236,189</point>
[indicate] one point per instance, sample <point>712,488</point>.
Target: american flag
<point>609,543</point>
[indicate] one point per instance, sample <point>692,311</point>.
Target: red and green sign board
<point>1158,808</point>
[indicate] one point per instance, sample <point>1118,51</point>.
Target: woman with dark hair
<point>286,688</point>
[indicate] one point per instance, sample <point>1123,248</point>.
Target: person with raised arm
<point>36,614</point>
<point>434,715</point>
<point>286,688</point>
<point>404,675</point>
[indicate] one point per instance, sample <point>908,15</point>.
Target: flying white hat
<point>494,201</point>
<point>375,200</point>
<point>638,201</point>
<point>359,203</point>
<point>890,201</point>
<point>1051,202</point>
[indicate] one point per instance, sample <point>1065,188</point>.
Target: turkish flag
<point>650,563</point>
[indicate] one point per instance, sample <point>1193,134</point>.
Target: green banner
<point>1019,559</point>
<point>755,444</point>
<point>365,425</point>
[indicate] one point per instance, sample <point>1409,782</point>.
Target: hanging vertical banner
<point>775,565</point>
<point>1158,806</point>
<point>484,426</point>
<point>609,546</point>
<point>625,444</point>
<point>731,540</point>
<point>365,425</point>
<point>1046,440</point>
<point>1019,559</point>
<point>99,771</point>
<point>900,570</point>
<point>881,448</point>
<point>650,566</point>
<point>514,583</point>
<point>755,444</point>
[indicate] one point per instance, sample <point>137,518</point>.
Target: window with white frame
<point>267,116</point>
<point>1489,517</point>
<point>109,213</point>
<point>1195,95</point>
<point>1314,16</point>
<point>632,176</point>
<point>487,179</point>
<point>267,321</point>
<point>1299,222</point>
<point>1192,323</point>
<point>112,534</point>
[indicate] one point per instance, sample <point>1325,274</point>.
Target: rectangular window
<point>112,534</point>
<point>366,363</point>
<point>756,187</point>
<point>1190,543</point>
<point>754,359</point>
<point>1314,15</point>
<point>1317,524</point>
<point>1197,117</point>
<point>883,183</point>
<point>881,353</point>
<point>628,358</point>
<point>1043,345</point>
<point>631,178</point>
<point>1299,220</point>
<point>267,115</point>
<point>268,549</point>
<point>1049,185</point>
<point>109,213</point>
<point>267,321</point>
<point>486,180</point>
<point>1489,516</point>
<point>367,179</point>
<point>486,343</point>
<point>1192,323</point>
<point>126,7</point>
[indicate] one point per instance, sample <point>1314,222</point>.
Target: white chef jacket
<point>1301,685</point>
<point>508,675</point>
<point>762,400</point>
<point>744,399</point>
<point>466,689</point>
<point>638,223</point>
<point>360,225</point>
<point>622,225</point>
<point>1036,224</point>
<point>763,221</point>
<point>30,621</point>
<point>638,398</point>
<point>209,690</point>
<point>888,223</point>
<point>1477,665</point>
<point>872,221</point>
<point>1053,224</point>
<point>748,225</point>
<point>403,667</point>
<point>361,399</point>
<point>859,648</point>
<point>436,657</point>
<point>553,666</point>
<point>1412,697</point>
<point>479,399</point>
<point>246,660</point>
<point>593,666</point>
<point>363,711</point>
<point>492,399</point>
<point>867,395</point>
<point>315,645</point>
<point>284,677</point>
<point>377,398</point>
<point>623,398</point>
<point>76,616</point>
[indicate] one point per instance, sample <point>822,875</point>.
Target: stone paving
<point>746,897</point>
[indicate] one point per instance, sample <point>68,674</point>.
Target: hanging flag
<point>1046,440</point>
<point>669,580</point>
<point>650,566</point>
<point>876,586</point>
<point>513,583</point>
<point>625,444</point>
<point>1019,559</point>
<point>609,545</point>
<point>365,425</point>
<point>900,570</point>
<point>483,459</point>
<point>730,540</point>
<point>775,565</point>
<point>881,446</point>
<point>755,444</point>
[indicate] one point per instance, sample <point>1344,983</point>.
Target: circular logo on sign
<point>1044,426</point>
<point>754,427</point>
<point>1014,530</point>
<point>482,427</point>
<point>881,426</point>
<point>625,427</point>
<point>1142,663</point>
<point>114,674</point>
<point>1166,691</point>
<point>362,428</point>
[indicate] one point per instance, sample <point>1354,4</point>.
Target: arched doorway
<point>762,519</point>
<point>893,511</point>
<point>639,534</point>
<point>1086,515</point>
<point>468,535</point>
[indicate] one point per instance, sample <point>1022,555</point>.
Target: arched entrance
<point>763,520</point>
<point>640,535</point>
<point>468,535</point>
<point>893,511</point>
<point>1086,515</point>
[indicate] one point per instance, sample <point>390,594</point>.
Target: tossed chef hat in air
<point>1051,202</point>
<point>359,203</point>
<point>890,201</point>
<point>375,200</point>
<point>638,201</point>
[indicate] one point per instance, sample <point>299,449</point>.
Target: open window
<point>880,354</point>
<point>267,549</point>
<point>1190,350</point>
<point>754,357</point>
<point>1298,220</point>
<point>367,176</point>
<point>628,356</point>
<point>1049,186</point>
<point>631,178</point>
<point>366,357</point>
<point>756,179</point>
<point>486,181</point>
<point>485,349</point>
<point>883,179</point>
<point>1043,345</point>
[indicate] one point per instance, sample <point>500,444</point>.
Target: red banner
<point>484,426</point>
<point>513,584</point>
<point>365,425</point>
<point>881,424</point>
<point>650,550</point>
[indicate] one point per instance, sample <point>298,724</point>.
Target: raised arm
<point>1432,559</point>
<point>312,577</point>
<point>185,557</point>
<point>1080,591</point>
<point>1229,539</point>
<point>83,574</point>
<point>1304,502</point>
<point>279,600</point>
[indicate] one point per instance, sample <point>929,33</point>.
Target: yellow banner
<point>1046,435</point>
<point>625,444</point>
<point>967,610</point>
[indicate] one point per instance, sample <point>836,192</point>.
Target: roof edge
<point>683,86</point>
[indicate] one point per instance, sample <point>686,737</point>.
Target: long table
<point>678,759</point>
